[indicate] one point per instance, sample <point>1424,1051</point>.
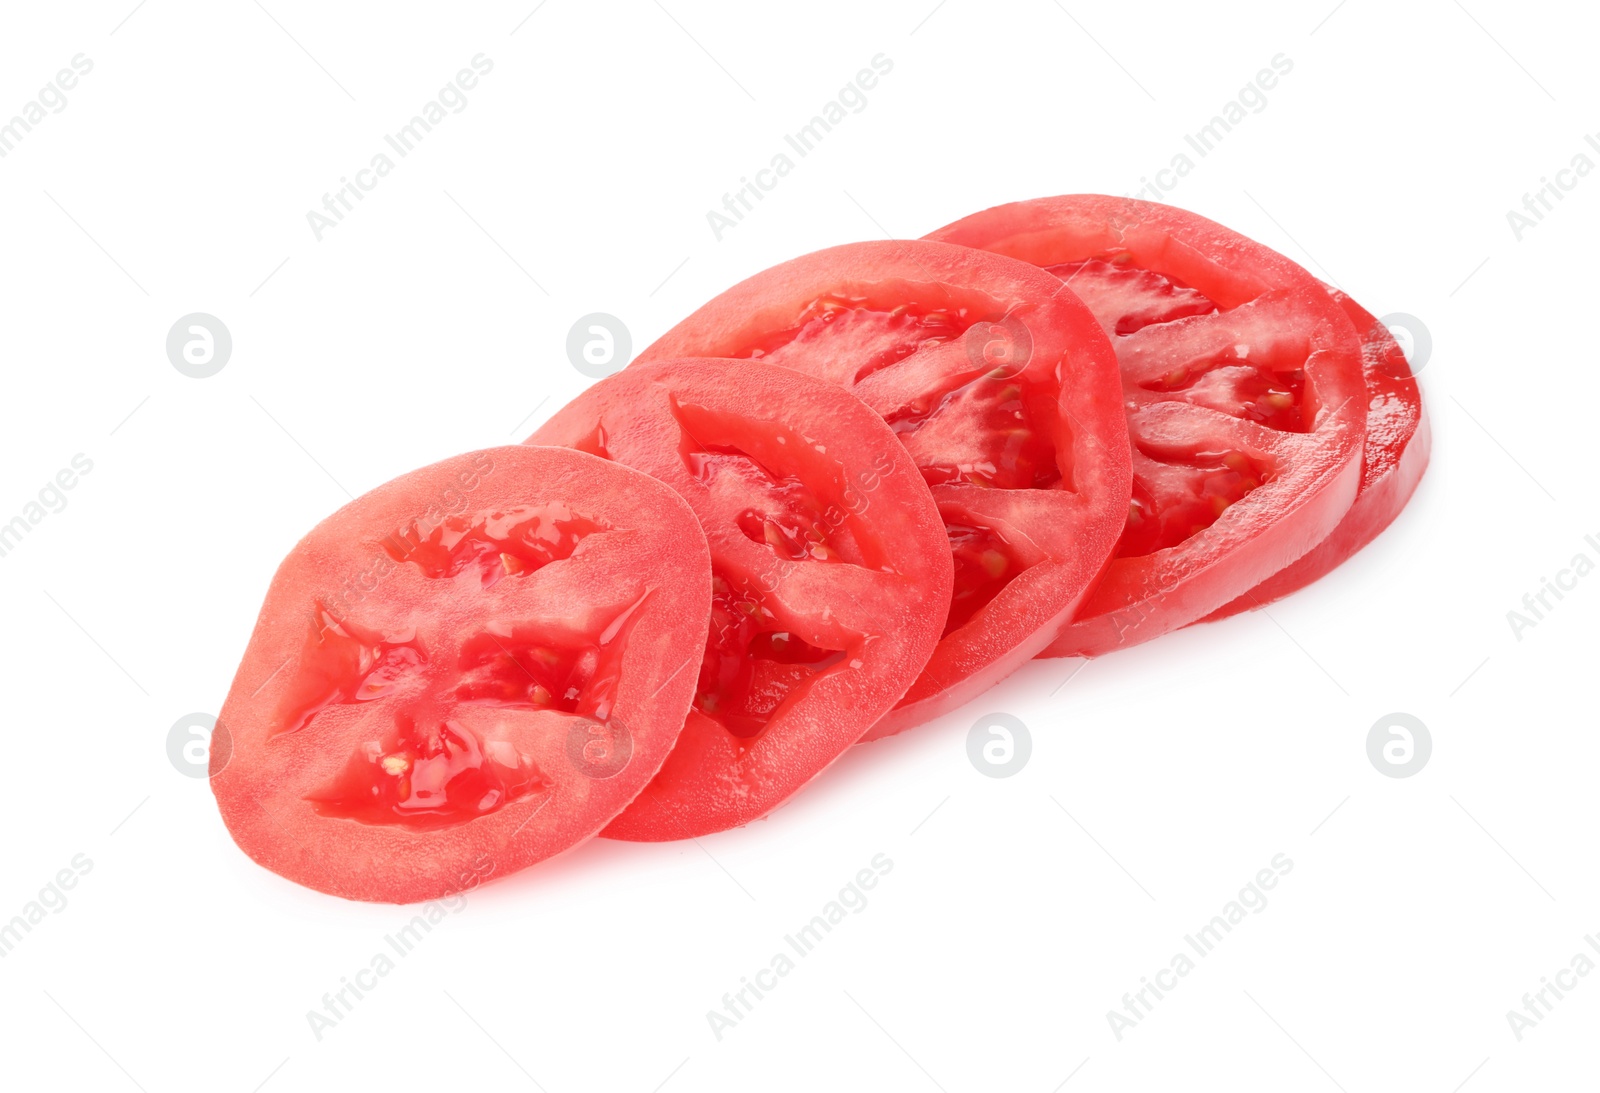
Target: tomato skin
<point>754,447</point>
<point>1399,440</point>
<point>635,584</point>
<point>1302,488</point>
<point>1055,493</point>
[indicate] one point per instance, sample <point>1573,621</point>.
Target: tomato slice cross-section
<point>465,671</point>
<point>1245,399</point>
<point>831,574</point>
<point>1396,454</point>
<point>1004,390</point>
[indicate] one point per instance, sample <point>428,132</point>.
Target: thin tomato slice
<point>1396,454</point>
<point>831,577</point>
<point>1245,401</point>
<point>1003,389</point>
<point>465,671</point>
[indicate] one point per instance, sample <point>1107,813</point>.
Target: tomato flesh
<point>751,666</point>
<point>346,663</point>
<point>1004,392</point>
<point>1131,297</point>
<point>1241,383</point>
<point>831,573</point>
<point>857,337</point>
<point>428,777</point>
<point>434,695</point>
<point>1392,463</point>
<point>985,564</point>
<point>497,545</point>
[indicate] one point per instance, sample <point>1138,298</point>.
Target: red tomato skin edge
<point>1104,633</point>
<point>917,711</point>
<point>394,864</point>
<point>1385,488</point>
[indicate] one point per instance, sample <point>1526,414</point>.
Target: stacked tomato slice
<point>830,575</point>
<point>1002,389</point>
<point>1267,414</point>
<point>842,498</point>
<point>463,672</point>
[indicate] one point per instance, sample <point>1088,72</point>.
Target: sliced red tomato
<point>831,576</point>
<point>1244,392</point>
<point>1396,454</point>
<point>1003,389</point>
<point>463,672</point>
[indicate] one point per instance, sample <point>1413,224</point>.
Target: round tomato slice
<point>1245,401</point>
<point>463,672</point>
<point>1004,390</point>
<point>830,573</point>
<point>1396,454</point>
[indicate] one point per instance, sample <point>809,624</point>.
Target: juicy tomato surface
<point>1005,392</point>
<point>1396,454</point>
<point>1246,404</point>
<point>467,670</point>
<point>830,573</point>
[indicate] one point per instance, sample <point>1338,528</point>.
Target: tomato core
<point>525,673</point>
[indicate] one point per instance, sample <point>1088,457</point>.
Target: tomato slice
<point>1005,392</point>
<point>831,576</point>
<point>1245,401</point>
<point>1396,454</point>
<point>465,671</point>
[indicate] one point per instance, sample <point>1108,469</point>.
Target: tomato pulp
<point>1005,392</point>
<point>1245,401</point>
<point>831,574</point>
<point>1396,454</point>
<point>465,671</point>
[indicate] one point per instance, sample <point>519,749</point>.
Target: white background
<point>433,320</point>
